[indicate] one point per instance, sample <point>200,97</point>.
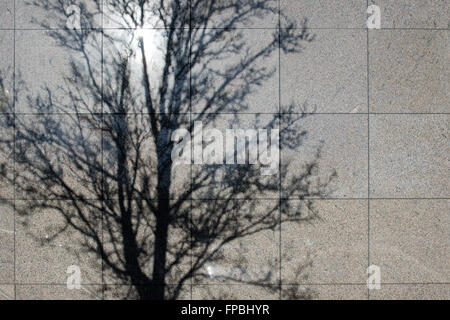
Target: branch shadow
<point>97,148</point>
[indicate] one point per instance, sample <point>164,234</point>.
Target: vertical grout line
<point>102,148</point>
<point>192,154</point>
<point>368,150</point>
<point>14,142</point>
<point>279,145</point>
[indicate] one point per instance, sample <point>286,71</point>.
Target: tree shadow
<point>98,148</point>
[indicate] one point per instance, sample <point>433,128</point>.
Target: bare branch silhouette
<point>163,65</point>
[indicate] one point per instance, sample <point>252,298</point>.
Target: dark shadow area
<point>98,148</point>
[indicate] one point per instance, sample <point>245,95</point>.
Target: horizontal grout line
<point>407,113</point>
<point>235,284</point>
<point>234,28</point>
<point>364,284</point>
<point>224,199</point>
<point>223,113</point>
<point>319,199</point>
<point>412,28</point>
